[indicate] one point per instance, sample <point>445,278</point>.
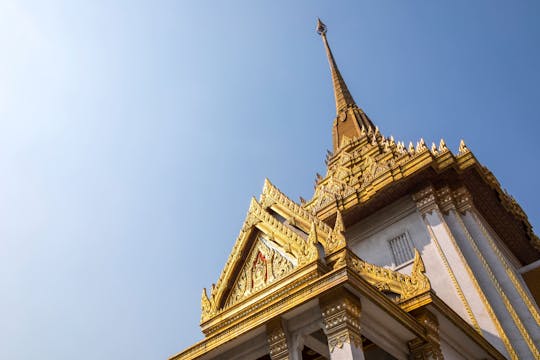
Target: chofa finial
<point>321,28</point>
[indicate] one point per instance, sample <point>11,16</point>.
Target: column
<point>341,318</point>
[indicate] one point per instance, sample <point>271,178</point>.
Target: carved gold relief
<point>304,252</point>
<point>406,286</point>
<point>263,266</point>
<point>277,340</point>
<point>336,240</point>
<point>430,348</point>
<point>341,318</point>
<point>423,350</point>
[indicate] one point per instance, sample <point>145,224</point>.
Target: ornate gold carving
<point>433,149</point>
<point>277,340</point>
<point>424,350</point>
<point>425,200</point>
<point>262,267</point>
<point>272,195</point>
<point>341,260</point>
<point>329,191</point>
<point>288,239</point>
<point>462,148</point>
<point>336,240</point>
<point>431,348</point>
<point>407,287</point>
<point>442,146</point>
<point>284,237</point>
<point>421,146</point>
<point>369,163</point>
<point>207,308</point>
<point>341,317</point>
<point>418,282</point>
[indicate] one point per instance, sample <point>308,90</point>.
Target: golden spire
<point>346,108</point>
<point>341,92</point>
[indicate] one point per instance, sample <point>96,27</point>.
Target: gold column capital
<point>341,317</point>
<point>277,339</point>
<point>430,349</point>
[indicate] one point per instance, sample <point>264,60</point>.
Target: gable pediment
<point>265,263</point>
<point>266,244</point>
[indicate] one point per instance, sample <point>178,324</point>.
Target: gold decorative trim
<point>407,287</point>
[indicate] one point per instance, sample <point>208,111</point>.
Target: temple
<point>403,252</point>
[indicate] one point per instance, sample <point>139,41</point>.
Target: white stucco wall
<point>369,240</point>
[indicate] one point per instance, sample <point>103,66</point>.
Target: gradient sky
<point>133,134</point>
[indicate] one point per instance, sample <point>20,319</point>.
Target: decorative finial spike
<point>336,240</point>
<point>462,147</point>
<point>434,149</point>
<point>442,146</point>
<point>421,145</point>
<point>321,27</point>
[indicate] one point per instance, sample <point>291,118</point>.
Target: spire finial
<point>349,125</point>
<point>341,92</point>
<point>321,28</point>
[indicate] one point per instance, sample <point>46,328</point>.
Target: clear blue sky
<point>133,134</point>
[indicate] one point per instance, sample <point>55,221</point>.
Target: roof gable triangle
<point>266,233</point>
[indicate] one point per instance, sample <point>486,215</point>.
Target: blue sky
<point>133,134</point>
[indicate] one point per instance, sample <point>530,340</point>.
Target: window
<point>402,248</point>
